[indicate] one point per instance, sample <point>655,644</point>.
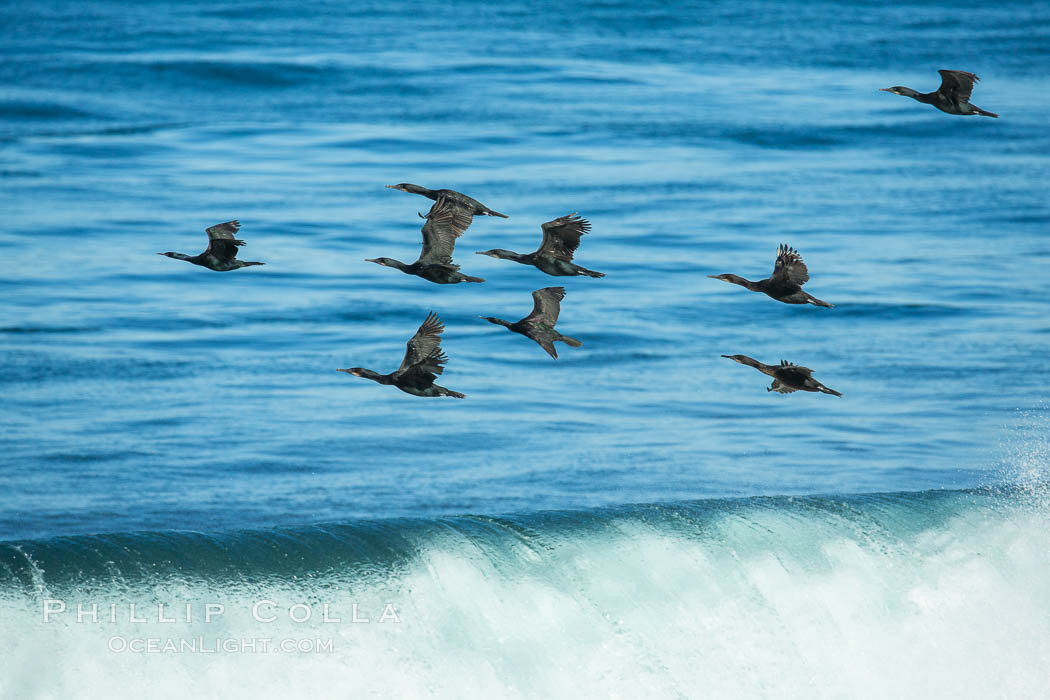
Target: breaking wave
<point>934,594</point>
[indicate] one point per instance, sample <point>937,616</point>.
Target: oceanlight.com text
<point>227,645</point>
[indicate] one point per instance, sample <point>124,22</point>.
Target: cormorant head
<point>366,374</point>
<point>728,277</point>
<point>406,187</point>
<point>496,253</point>
<point>177,256</point>
<point>744,360</point>
<point>388,262</point>
<point>897,90</point>
<point>497,321</point>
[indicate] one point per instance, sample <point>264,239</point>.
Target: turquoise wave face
<point>868,596</point>
<point>355,550</point>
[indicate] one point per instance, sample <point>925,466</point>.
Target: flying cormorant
<point>221,254</point>
<point>785,284</point>
<point>475,207</point>
<point>423,361</point>
<point>539,325</point>
<point>561,238</point>
<point>953,96</point>
<point>445,222</point>
<point>786,376</point>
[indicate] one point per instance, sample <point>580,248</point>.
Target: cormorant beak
<point>349,371</point>
<point>887,90</point>
<point>377,262</point>
<point>392,187</point>
<point>718,277</point>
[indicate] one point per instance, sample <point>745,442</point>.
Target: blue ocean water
<point>142,396</point>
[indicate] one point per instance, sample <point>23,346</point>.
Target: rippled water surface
<point>144,393</point>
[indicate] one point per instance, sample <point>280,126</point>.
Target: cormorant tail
<point>826,390</point>
<point>454,394</point>
<point>985,113</point>
<point>570,341</point>
<point>248,263</point>
<point>817,302</point>
<point>591,273</point>
<point>472,279</point>
<point>489,212</point>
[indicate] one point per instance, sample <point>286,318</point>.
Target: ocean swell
<point>935,594</point>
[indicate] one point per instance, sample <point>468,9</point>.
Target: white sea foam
<point>763,601</point>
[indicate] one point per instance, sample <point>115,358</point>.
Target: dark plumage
<point>475,207</point>
<point>786,376</point>
<point>539,325</point>
<point>785,284</point>
<point>424,360</point>
<point>445,222</point>
<point>221,254</point>
<point>953,96</point>
<point>561,238</point>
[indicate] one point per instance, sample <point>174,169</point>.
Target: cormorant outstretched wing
<point>561,237</point>
<point>446,221</point>
<point>222,240</point>
<point>423,355</point>
<point>779,383</point>
<point>547,306</point>
<point>789,266</point>
<point>957,84</point>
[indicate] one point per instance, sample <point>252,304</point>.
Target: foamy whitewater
<point>935,594</point>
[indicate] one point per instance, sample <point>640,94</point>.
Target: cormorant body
<point>953,96</point>
<point>787,377</point>
<point>539,325</point>
<point>445,222</point>
<point>475,207</point>
<point>424,360</point>
<point>561,238</point>
<point>221,254</point>
<point>785,284</point>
